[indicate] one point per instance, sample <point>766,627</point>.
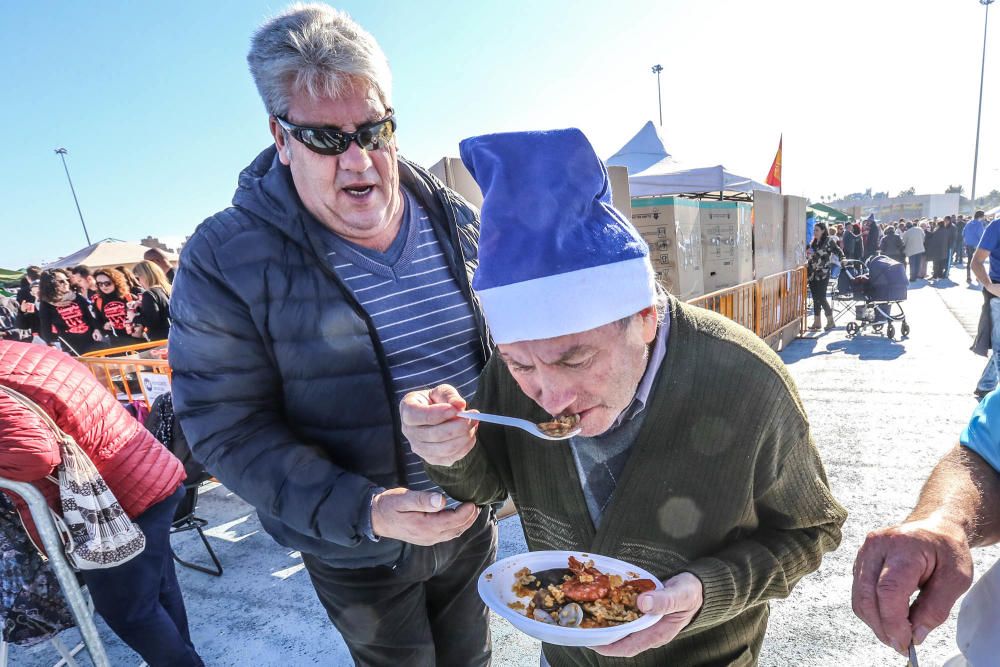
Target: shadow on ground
<point>863,347</point>
<point>870,347</point>
<point>803,348</point>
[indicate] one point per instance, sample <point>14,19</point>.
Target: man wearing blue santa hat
<point>694,458</point>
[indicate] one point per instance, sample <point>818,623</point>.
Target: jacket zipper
<point>376,345</point>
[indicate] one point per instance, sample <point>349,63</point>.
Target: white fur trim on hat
<point>568,303</point>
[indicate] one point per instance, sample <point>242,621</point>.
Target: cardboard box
<point>620,197</point>
<point>795,231</point>
<point>726,244</point>
<point>452,172</point>
<point>670,226</point>
<point>768,233</point>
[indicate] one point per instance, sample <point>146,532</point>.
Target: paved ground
<point>882,413</point>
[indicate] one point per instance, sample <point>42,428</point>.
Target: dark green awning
<point>9,277</point>
<point>824,212</point>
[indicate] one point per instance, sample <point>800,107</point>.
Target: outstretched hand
<point>928,555</point>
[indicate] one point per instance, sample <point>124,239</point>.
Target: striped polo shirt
<point>425,325</point>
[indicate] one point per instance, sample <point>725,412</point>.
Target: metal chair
<point>185,520</point>
<point>82,613</point>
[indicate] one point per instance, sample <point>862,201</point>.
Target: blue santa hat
<point>555,257</point>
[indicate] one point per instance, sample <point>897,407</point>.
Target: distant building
<point>894,208</point>
<point>153,242</point>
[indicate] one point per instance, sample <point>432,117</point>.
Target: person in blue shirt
<point>971,236</point>
<point>989,247</point>
<point>958,508</point>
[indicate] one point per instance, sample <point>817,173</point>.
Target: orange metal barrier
<point>782,301</point>
<point>132,372</point>
<point>737,303</point>
<point>772,307</point>
<point>126,349</point>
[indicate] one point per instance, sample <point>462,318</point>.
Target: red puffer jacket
<point>137,468</point>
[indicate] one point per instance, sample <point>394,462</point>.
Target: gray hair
<point>660,303</point>
<point>316,49</point>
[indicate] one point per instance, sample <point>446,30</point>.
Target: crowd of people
<point>328,328</point>
<point>937,244</point>
<point>80,309</point>
<point>934,244</point>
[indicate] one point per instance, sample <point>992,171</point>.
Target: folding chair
<point>82,613</point>
<point>185,520</point>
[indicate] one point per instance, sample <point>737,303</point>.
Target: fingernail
<point>920,634</point>
<point>897,647</point>
<point>437,501</point>
<point>645,605</point>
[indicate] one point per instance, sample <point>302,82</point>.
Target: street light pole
<point>659,98</point>
<point>61,152</point>
<point>979,115</point>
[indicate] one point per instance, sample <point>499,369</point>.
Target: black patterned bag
<point>101,534</point>
<point>32,608</point>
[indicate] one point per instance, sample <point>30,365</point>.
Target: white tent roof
<point>109,252</point>
<point>643,151</point>
<point>691,181</point>
<point>653,171</point>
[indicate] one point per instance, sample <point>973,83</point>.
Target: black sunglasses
<point>331,141</point>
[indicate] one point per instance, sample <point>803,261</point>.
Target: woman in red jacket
<point>140,599</point>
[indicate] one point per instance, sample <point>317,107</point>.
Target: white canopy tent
<point>644,151</point>
<point>653,171</point>
<point>109,252</point>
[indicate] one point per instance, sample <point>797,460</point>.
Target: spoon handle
<point>498,419</point>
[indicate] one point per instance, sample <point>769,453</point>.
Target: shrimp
<point>587,587</point>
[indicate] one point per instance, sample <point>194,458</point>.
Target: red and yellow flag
<point>774,176</point>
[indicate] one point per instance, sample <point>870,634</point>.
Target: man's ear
<point>280,141</point>
<point>649,323</point>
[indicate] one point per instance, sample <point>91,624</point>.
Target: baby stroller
<point>878,288</point>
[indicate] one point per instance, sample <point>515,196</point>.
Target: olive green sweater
<point>723,481</point>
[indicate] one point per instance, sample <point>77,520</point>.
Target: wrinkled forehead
<point>553,350</point>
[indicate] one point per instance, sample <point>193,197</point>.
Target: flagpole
<point>774,175</point>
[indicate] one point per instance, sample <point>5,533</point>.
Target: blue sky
<point>159,114</point>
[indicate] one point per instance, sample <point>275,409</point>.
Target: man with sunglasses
<point>337,282</point>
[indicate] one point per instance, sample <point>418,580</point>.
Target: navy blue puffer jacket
<point>280,383</point>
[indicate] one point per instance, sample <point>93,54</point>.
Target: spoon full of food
<point>560,428</point>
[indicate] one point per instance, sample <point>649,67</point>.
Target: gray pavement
<point>882,413</point>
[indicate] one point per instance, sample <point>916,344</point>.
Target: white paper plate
<point>496,586</point>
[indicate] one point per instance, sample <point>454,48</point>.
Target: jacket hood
<point>265,189</point>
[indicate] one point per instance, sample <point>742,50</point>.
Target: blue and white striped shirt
<point>426,326</point>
